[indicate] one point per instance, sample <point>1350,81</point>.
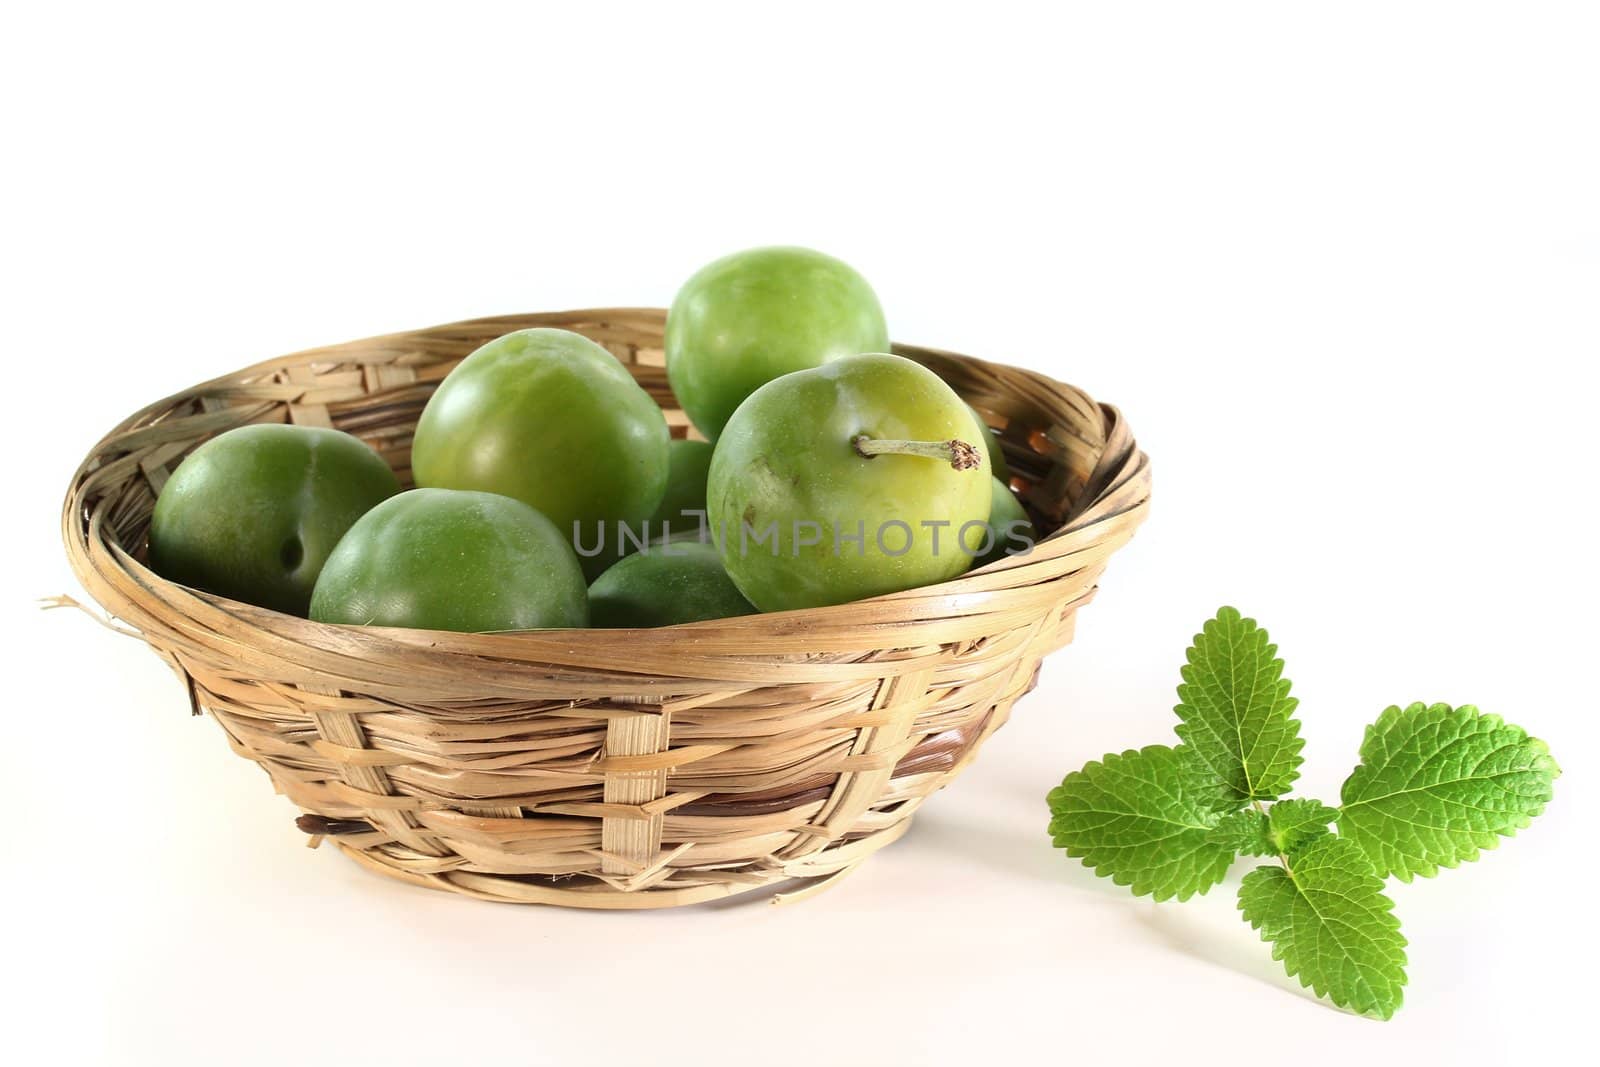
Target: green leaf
<point>1284,827</point>
<point>1143,819</point>
<point>1244,833</point>
<point>1293,822</point>
<point>1437,784</point>
<point>1331,925</point>
<point>1236,709</point>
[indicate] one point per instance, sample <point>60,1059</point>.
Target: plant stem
<point>959,454</point>
<point>1282,859</point>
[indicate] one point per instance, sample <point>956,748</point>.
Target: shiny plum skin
<point>665,585</point>
<point>253,513</point>
<point>756,315</point>
<point>787,463</point>
<point>449,559</point>
<point>549,418</point>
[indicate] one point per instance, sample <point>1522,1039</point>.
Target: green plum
<point>453,559</point>
<point>681,511</point>
<point>850,480</point>
<point>756,315</point>
<point>684,504</point>
<point>253,513</point>
<point>549,418</point>
<point>1011,532</point>
<point>664,585</point>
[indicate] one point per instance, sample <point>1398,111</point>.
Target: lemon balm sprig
<point>1435,786</point>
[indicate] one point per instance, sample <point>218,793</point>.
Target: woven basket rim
<point>1010,576</point>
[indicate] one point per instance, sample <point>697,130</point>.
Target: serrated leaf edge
<point>1485,841</point>
<point>1278,951</point>
<point>1122,878</point>
<point>1185,729</point>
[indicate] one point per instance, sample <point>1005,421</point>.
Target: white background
<point>1339,264</point>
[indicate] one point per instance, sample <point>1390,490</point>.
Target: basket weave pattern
<point>608,768</point>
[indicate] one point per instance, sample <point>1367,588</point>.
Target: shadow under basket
<point>608,768</point>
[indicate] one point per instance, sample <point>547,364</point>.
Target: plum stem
<point>959,454</point>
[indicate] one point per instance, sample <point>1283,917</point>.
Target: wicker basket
<point>608,768</point>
